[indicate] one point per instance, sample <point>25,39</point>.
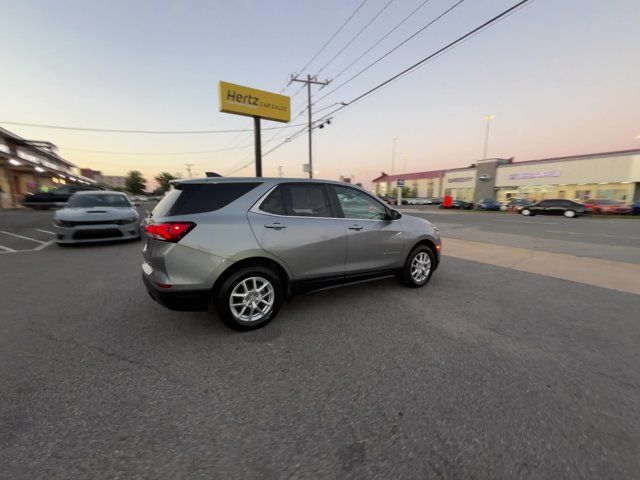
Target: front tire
<point>250,298</point>
<point>418,267</point>
<point>526,212</point>
<point>569,213</point>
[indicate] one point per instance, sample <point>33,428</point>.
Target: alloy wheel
<point>420,267</point>
<point>252,299</point>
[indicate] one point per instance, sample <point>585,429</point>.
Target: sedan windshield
<point>99,200</point>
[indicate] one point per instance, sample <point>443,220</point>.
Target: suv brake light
<point>169,231</point>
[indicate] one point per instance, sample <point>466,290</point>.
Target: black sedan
<point>53,198</point>
<point>554,207</point>
<point>458,204</point>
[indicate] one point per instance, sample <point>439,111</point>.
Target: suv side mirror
<point>393,214</point>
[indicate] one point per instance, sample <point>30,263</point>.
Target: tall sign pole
<point>310,80</point>
<point>258,143</point>
<point>255,103</point>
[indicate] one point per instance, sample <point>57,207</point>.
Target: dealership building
<point>610,175</point>
<point>28,166</point>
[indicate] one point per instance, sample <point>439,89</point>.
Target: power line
<point>109,152</point>
<point>344,24</point>
<point>355,36</point>
<point>379,59</point>
<point>398,25</point>
<point>153,132</point>
<point>421,62</point>
<point>442,50</point>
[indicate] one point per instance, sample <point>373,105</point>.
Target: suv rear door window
<point>189,198</point>
<point>274,203</point>
<point>306,200</point>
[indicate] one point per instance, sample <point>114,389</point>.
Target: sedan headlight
<point>62,223</point>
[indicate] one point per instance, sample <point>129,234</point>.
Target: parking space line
<point>530,223</point>
<point>6,249</point>
<point>20,236</point>
<point>44,231</point>
<point>44,245</point>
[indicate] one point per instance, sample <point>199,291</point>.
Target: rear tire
<point>250,298</point>
<point>418,268</point>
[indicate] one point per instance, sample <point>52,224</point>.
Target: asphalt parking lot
<point>488,372</point>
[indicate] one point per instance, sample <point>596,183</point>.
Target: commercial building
<point>610,175</point>
<point>113,181</point>
<point>28,166</point>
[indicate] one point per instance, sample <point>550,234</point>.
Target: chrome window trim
<point>256,209</point>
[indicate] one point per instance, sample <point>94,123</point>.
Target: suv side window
<point>190,198</point>
<point>357,204</point>
<point>274,203</point>
<point>545,203</point>
<point>306,200</point>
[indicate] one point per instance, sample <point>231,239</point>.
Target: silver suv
<point>246,244</point>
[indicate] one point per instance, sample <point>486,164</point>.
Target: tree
<point>163,180</point>
<point>135,182</point>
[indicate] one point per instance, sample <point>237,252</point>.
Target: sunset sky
<point>561,78</point>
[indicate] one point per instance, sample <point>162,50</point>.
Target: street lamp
<point>486,135</point>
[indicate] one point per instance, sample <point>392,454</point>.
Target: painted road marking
<point>6,249</point>
<point>591,271</point>
<point>530,223</point>
<point>20,236</point>
<point>44,231</point>
<point>44,245</point>
<point>594,234</point>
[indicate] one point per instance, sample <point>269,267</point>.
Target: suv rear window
<point>190,198</point>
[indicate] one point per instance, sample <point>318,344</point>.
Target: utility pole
<point>189,165</point>
<point>310,80</point>
<point>486,135</point>
<point>393,156</point>
<point>280,171</point>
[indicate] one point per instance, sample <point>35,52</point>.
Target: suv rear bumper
<point>180,300</point>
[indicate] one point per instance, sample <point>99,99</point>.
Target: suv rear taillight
<point>169,231</point>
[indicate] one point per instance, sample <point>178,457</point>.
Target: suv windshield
<point>99,200</point>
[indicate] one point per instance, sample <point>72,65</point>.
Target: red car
<point>607,206</point>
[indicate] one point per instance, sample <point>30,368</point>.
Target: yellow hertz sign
<point>254,103</point>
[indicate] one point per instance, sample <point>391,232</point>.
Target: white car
<point>96,215</point>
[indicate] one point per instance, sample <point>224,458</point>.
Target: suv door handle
<point>355,227</point>
<point>275,226</point>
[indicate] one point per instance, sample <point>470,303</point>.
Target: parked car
<point>607,206</point>
<point>93,216</point>
<point>515,204</point>
<point>488,204</point>
<point>458,204</point>
<point>567,208</point>
<point>415,201</point>
<point>635,208</point>
<point>434,200</point>
<point>244,245</point>
<point>55,197</point>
